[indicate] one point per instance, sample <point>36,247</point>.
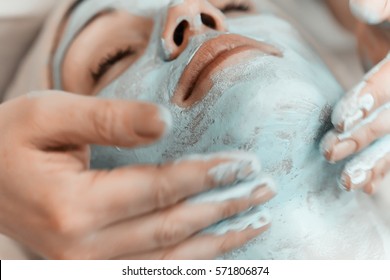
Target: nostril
<point>178,36</point>
<point>208,20</point>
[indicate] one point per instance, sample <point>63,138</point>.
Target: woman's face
<point>233,75</point>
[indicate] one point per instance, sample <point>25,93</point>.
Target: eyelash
<point>107,62</point>
<point>235,7</point>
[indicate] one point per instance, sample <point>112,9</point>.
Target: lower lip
<point>230,58</point>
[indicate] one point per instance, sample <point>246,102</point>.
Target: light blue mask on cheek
<point>244,96</point>
<point>211,125</point>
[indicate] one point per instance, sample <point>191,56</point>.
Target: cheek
<point>143,81</point>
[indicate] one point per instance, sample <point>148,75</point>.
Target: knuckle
<point>233,207</point>
<point>61,223</point>
<point>233,240</point>
<point>225,245</point>
<point>371,133</point>
<point>104,120</point>
<point>169,233</point>
<point>163,191</point>
<point>66,221</point>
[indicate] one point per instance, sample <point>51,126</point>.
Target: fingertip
<point>354,178</point>
<point>369,189</point>
<point>353,107</point>
<point>344,182</point>
<point>231,167</point>
<point>371,12</point>
<point>343,149</point>
<point>271,185</point>
<point>327,144</point>
<point>166,118</point>
<point>151,121</point>
<point>263,221</point>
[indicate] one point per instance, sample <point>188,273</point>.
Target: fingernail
<point>344,183</point>
<point>357,179</point>
<point>263,220</point>
<point>343,149</point>
<point>327,143</point>
<point>263,192</point>
<point>232,172</point>
<point>327,154</point>
<point>159,121</point>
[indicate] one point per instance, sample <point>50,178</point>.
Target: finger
<point>373,187</point>
<point>338,146</point>
<point>173,225</point>
<point>204,247</point>
<point>133,191</point>
<point>372,93</point>
<point>367,167</point>
<point>79,120</point>
<point>371,11</point>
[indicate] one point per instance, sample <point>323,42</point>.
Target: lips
<point>214,55</point>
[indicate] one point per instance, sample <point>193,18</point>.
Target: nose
<point>186,18</point>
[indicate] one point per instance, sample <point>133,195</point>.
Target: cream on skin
<point>360,118</point>
<point>276,105</point>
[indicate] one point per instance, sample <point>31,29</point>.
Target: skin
<point>307,191</point>
<point>357,137</point>
<point>101,199</point>
<point>73,212</point>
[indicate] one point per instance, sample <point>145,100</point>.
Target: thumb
<point>61,118</point>
<point>371,11</point>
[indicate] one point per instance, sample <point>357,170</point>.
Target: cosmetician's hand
<point>362,124</point>
<point>51,202</point>
<point>362,117</point>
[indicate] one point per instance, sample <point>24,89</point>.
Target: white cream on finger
<point>357,104</point>
<point>358,168</point>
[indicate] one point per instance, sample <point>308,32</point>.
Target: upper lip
<point>209,55</point>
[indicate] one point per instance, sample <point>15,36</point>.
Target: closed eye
<point>235,7</point>
<point>109,61</point>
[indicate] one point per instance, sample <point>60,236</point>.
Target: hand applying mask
<point>51,201</point>
<point>361,118</point>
